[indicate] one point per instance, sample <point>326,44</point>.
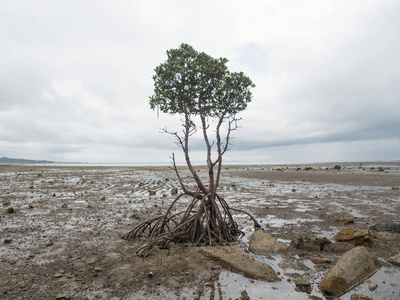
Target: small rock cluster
<point>355,264</point>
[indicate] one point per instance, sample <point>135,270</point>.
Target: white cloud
<point>76,76</point>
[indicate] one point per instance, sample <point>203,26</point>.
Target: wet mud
<point>63,238</point>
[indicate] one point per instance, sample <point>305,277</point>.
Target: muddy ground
<point>63,240</point>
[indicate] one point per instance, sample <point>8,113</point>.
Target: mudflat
<point>61,228</point>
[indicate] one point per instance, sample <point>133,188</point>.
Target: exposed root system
<point>207,220</point>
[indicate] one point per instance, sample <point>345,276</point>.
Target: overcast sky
<point>75,77</point>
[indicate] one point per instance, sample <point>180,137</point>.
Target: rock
<point>303,284</point>
<point>65,205</point>
<point>61,296</point>
<point>98,269</point>
<point>91,261</point>
<point>263,243</point>
<point>244,296</point>
<point>360,297</point>
<point>395,260</point>
<point>174,191</point>
<point>355,265</point>
<point>58,275</point>
<point>337,167</point>
<point>241,261</point>
<point>152,193</point>
<point>135,216</point>
<point>7,241</point>
<point>345,221</point>
<point>385,235</point>
<point>49,244</point>
<point>338,247</point>
<point>386,227</point>
<point>103,198</point>
<point>312,297</point>
<point>10,210</point>
<point>30,206</point>
<point>313,244</point>
<point>357,237</point>
<point>320,261</point>
<point>395,188</point>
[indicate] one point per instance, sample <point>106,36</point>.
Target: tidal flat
<point>62,238</point>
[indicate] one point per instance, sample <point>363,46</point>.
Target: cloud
<point>76,76</point>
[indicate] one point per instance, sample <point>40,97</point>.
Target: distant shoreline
<point>166,164</point>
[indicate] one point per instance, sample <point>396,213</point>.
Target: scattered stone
<point>263,243</point>
<point>7,241</point>
<point>372,287</point>
<point>152,193</point>
<point>395,188</point>
<point>312,297</point>
<point>360,297</point>
<point>98,269</point>
<point>337,167</point>
<point>103,198</point>
<point>313,244</point>
<point>65,205</point>
<point>321,261</point>
<point>10,210</point>
<point>345,221</point>
<point>58,275</point>
<point>357,237</point>
<point>303,284</point>
<point>355,265</point>
<point>174,191</point>
<point>338,247</point>
<point>241,261</point>
<point>386,227</point>
<point>6,203</point>
<point>30,206</point>
<point>385,235</point>
<point>91,261</point>
<point>395,260</point>
<point>244,296</point>
<point>135,216</point>
<point>61,297</point>
<point>49,244</point>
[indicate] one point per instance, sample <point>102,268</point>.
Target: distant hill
<point>22,161</point>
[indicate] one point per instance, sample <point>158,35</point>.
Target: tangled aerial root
<point>207,220</point>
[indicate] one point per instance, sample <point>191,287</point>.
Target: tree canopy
<point>194,83</point>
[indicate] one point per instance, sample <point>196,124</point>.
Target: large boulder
<point>357,237</point>
<point>263,243</point>
<point>240,261</point>
<point>354,266</point>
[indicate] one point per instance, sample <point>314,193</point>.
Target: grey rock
<point>352,267</point>
<point>386,227</point>
<point>263,243</point>
<point>241,262</point>
<point>303,284</point>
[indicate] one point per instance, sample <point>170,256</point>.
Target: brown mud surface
<point>64,239</point>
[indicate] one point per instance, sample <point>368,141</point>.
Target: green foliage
<point>194,83</point>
